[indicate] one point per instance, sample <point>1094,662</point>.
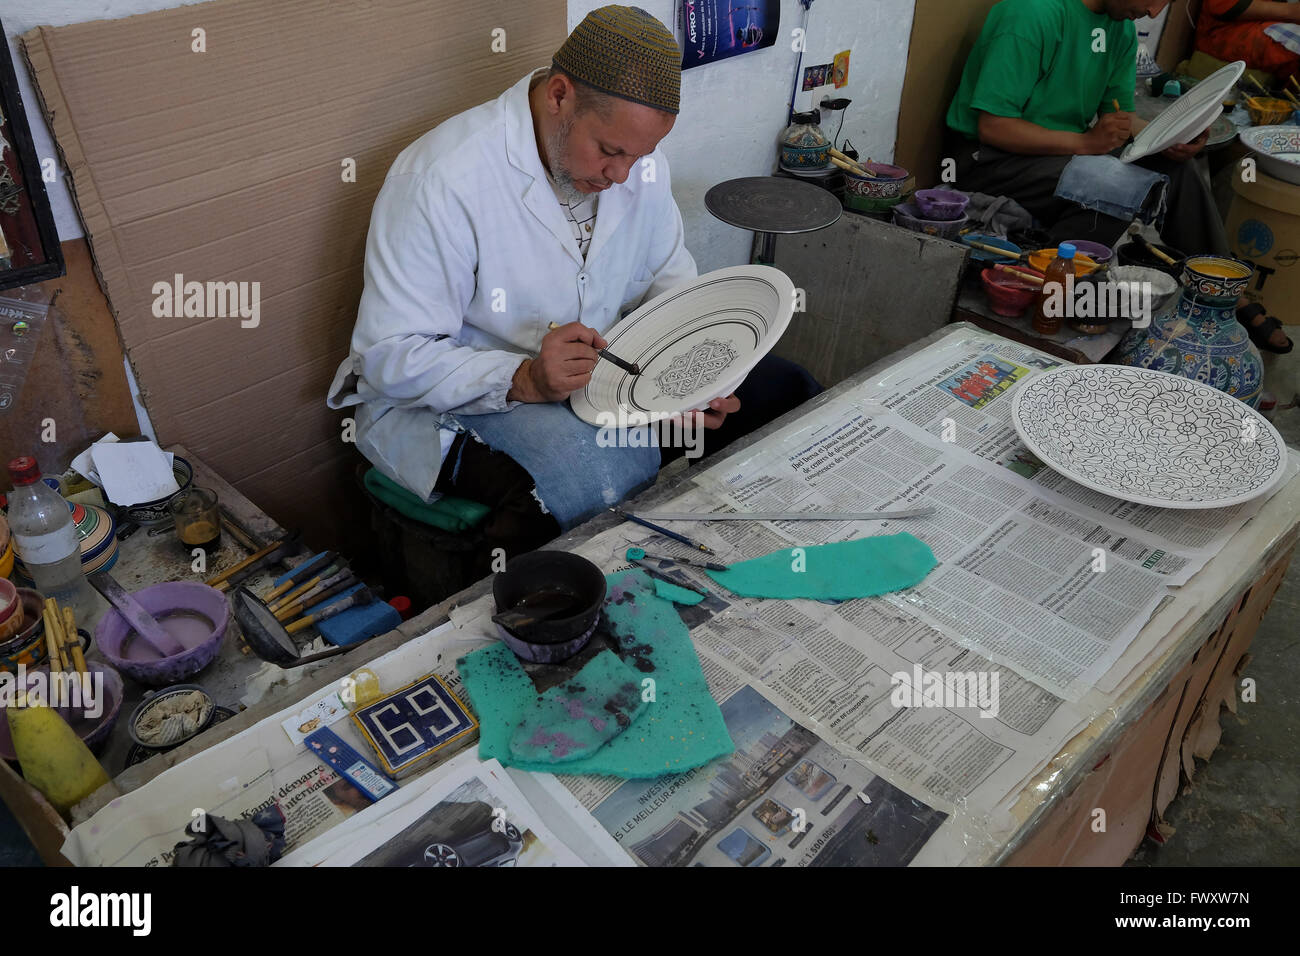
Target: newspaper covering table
<point>828,769</point>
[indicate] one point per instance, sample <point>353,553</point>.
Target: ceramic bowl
<point>1269,110</point>
<point>12,614</point>
<point>806,157</point>
<point>1136,254</point>
<point>941,204</point>
<point>96,536</point>
<point>1204,275</point>
<point>93,729</point>
<point>1163,286</point>
<point>1096,251</point>
<point>155,512</point>
<point>1276,149</point>
<point>909,217</point>
<point>882,182</point>
<point>872,206</point>
<point>190,597</point>
<point>1008,295</point>
<point>557,638</point>
<point>152,699</point>
<point>1083,265</point>
<point>979,255</point>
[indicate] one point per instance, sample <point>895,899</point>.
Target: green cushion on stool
<point>447,513</point>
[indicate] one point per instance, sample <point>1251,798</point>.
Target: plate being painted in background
<point>1148,437</point>
<point>694,343</point>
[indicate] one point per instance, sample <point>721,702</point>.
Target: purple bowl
<point>941,204</point>
<point>1096,251</point>
<point>93,731</point>
<point>205,605</point>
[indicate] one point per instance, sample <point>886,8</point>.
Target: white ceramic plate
<point>1188,117</point>
<point>1148,437</point>
<point>694,343</point>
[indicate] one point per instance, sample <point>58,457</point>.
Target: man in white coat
<point>549,206</point>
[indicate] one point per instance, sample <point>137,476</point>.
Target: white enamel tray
<point>1189,116</point>
<point>694,343</point>
<point>1148,437</point>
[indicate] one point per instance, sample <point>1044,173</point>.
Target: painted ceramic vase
<point>1198,337</point>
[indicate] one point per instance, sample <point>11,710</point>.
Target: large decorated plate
<point>1148,437</point>
<point>1277,150</point>
<point>694,343</point>
<point>1188,117</point>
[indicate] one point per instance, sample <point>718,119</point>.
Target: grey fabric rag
<point>1123,190</point>
<point>997,215</point>
<point>222,842</point>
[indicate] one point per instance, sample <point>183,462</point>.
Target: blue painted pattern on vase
<point>1198,337</point>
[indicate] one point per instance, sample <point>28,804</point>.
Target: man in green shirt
<point>1039,73</point>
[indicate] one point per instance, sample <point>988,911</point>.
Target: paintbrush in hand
<point>630,367</point>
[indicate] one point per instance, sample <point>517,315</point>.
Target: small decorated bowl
<point>96,536</point>
<point>155,512</point>
<point>805,157</point>
<point>881,182</point>
<point>1216,277</point>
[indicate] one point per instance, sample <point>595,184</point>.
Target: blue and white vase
<point>1199,337</point>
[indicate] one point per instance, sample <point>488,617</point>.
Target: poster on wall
<point>717,29</point>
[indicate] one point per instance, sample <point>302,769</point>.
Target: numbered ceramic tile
<point>693,344</point>
<point>1148,437</point>
<point>415,726</point>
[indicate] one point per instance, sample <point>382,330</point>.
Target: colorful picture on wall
<point>713,30</point>
<point>840,69</point>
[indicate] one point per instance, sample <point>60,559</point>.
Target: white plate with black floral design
<point>1148,437</point>
<point>694,343</point>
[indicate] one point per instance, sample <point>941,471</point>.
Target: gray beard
<point>556,148</point>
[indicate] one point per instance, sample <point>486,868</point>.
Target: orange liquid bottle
<point>1055,290</point>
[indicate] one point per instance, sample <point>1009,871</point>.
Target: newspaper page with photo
<point>468,814</point>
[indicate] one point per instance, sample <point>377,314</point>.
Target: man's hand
<point>717,412</point>
<point>1111,132</point>
<point>564,365</point>
<point>1185,151</point>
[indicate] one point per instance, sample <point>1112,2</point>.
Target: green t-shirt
<point>1035,60</point>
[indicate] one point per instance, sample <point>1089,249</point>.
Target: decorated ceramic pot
<point>884,181</point>
<point>1198,336</point>
<point>1216,277</point>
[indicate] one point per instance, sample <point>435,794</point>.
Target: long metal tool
<point>791,515</point>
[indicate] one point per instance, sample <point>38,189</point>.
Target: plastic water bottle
<point>44,535</point>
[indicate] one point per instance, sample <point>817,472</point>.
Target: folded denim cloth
<point>1123,190</point>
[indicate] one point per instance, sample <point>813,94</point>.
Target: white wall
<point>732,111</point>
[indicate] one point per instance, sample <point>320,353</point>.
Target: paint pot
<point>149,732</point>
<point>195,614</point>
<point>538,577</point>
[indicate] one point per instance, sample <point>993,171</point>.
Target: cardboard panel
<point>226,165</point>
<point>943,33</point>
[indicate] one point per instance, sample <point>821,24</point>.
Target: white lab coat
<point>468,259</point>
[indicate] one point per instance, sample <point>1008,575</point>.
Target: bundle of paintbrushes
<point>61,639</point>
<point>311,583</point>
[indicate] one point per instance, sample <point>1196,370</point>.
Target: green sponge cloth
<point>578,717</point>
<point>450,514</point>
<point>863,567</point>
<point>680,728</point>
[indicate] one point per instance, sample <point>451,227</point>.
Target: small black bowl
<point>1137,254</point>
<point>552,639</point>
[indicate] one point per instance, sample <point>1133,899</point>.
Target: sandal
<point>1262,332</point>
